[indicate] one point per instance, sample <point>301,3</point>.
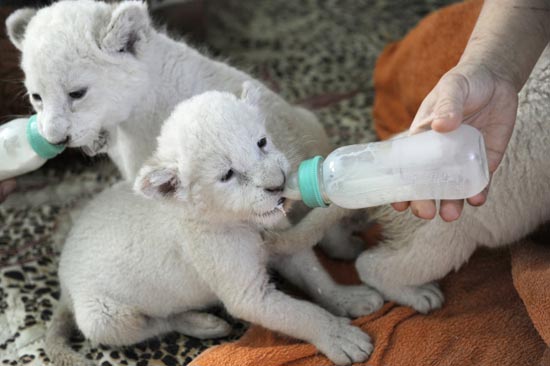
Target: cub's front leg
<point>235,269</point>
<point>305,271</point>
<point>306,233</point>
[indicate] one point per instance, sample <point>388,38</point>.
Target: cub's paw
<point>344,343</point>
<point>423,299</point>
<point>202,325</point>
<point>353,301</point>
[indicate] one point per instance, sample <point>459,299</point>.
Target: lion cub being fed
<point>133,268</point>
<point>101,77</point>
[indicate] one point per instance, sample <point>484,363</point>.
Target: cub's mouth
<point>98,144</point>
<point>281,209</point>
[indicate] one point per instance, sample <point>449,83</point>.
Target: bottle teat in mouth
<point>281,205</point>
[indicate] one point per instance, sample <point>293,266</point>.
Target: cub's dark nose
<point>277,189</point>
<point>65,141</point>
<point>281,201</point>
<point>59,141</point>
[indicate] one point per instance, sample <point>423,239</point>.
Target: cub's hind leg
<point>106,321</point>
<point>405,264</point>
<point>200,325</point>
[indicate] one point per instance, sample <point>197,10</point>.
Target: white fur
<point>416,252</point>
<point>133,268</point>
<point>134,76</point>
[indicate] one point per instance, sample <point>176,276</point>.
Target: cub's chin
<point>274,216</point>
<point>98,145</point>
<point>269,220</point>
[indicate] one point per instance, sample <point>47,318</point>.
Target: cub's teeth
<point>282,209</point>
<point>98,145</point>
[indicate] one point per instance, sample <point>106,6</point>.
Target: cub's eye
<point>78,94</point>
<point>262,142</point>
<point>36,97</point>
<point>227,175</point>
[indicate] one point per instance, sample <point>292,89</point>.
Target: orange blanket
<point>482,323</point>
<point>493,315</point>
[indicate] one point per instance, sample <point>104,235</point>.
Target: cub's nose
<point>65,141</point>
<point>53,131</point>
<point>276,188</point>
<point>58,140</point>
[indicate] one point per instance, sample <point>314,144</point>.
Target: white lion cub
<point>133,268</point>
<point>102,78</point>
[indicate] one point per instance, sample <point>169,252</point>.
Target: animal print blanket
<point>318,53</point>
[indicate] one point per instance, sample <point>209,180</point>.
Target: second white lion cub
<point>134,268</point>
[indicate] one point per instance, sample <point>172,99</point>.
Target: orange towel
<point>484,320</point>
<point>531,274</point>
<point>482,323</point>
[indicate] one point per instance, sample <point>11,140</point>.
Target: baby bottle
<point>428,165</point>
<point>22,148</point>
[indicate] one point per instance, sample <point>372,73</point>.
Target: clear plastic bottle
<point>428,165</point>
<point>22,148</point>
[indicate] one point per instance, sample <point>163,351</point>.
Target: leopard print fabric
<point>318,53</point>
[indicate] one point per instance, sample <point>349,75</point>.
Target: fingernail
<point>443,116</point>
<point>452,213</point>
<point>426,121</point>
<point>419,129</point>
<point>429,213</point>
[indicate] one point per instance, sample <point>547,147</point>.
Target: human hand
<point>472,94</point>
<point>6,187</point>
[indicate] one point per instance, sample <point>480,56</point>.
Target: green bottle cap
<point>39,144</point>
<point>308,182</point>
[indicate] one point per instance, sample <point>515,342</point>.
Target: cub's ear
<point>157,180</point>
<point>254,93</point>
<point>129,25</point>
<point>16,25</point>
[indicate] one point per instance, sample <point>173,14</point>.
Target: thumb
<point>448,111</point>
